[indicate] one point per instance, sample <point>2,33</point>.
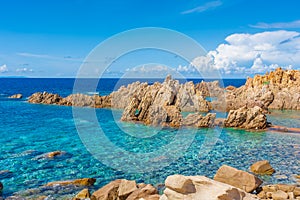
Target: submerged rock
<point>5,174</point>
<point>82,182</point>
<point>262,167</point>
<point>247,118</point>
<point>16,96</point>
<point>237,178</point>
<point>200,187</point>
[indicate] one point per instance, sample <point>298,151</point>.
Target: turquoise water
<point>28,131</point>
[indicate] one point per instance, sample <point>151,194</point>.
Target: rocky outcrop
<point>201,188</point>
<point>79,182</point>
<point>279,192</point>
<point>16,96</point>
<point>125,190</point>
<point>161,104</point>
<point>262,167</point>
<point>246,118</point>
<point>45,98</point>
<point>237,178</point>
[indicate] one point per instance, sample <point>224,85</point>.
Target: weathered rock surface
<point>237,178</point>
<point>262,167</point>
<point>83,194</point>
<point>16,96</point>
<point>279,192</point>
<point>201,188</point>
<point>197,120</point>
<point>247,118</point>
<point>45,98</point>
<point>125,190</point>
<point>82,182</point>
<point>278,89</point>
<point>162,103</point>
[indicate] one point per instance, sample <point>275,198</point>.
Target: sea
<point>98,145</point>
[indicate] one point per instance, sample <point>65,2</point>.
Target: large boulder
<point>107,192</point>
<point>147,192</point>
<point>201,188</point>
<point>262,167</point>
<point>126,188</point>
<point>247,118</point>
<point>79,182</point>
<point>237,178</point>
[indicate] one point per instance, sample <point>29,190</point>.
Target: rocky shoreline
<point>161,104</point>
<point>228,184</point>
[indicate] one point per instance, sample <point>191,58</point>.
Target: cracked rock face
<point>161,104</point>
<point>246,118</point>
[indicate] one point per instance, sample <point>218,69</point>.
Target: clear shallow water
<point>27,131</point>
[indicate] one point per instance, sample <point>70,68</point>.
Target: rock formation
<point>247,118</point>
<point>278,89</point>
<point>125,190</point>
<point>161,104</point>
<point>237,178</point>
<point>201,188</point>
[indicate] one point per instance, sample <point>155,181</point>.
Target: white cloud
<point>3,69</point>
<point>205,7</point>
<point>24,70</point>
<point>253,53</point>
<point>281,25</point>
<point>35,55</point>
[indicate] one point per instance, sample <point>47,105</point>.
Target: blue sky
<point>52,38</point>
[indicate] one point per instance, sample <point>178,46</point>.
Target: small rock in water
<point>262,167</point>
<point>1,187</point>
<point>281,177</point>
<point>16,96</point>
<point>5,174</point>
<point>83,181</point>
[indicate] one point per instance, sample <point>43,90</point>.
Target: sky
<point>240,37</point>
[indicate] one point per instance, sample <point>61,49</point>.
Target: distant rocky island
<point>161,104</point>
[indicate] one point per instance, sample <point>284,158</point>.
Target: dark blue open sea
<point>27,131</point>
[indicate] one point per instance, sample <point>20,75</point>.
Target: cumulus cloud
<point>204,7</point>
<point>24,70</point>
<point>3,69</point>
<point>253,53</point>
<point>281,25</point>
